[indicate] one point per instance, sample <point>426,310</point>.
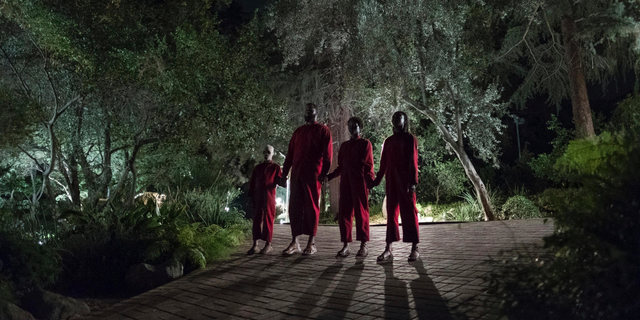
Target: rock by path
<point>447,283</point>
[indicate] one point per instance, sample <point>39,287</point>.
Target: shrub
<point>519,207</point>
<point>26,264</point>
<point>470,210</point>
<point>212,207</point>
<point>592,267</point>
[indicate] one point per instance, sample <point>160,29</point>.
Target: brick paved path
<point>447,283</point>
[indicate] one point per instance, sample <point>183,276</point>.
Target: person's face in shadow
<point>354,129</point>
<point>268,153</point>
<point>399,122</point>
<point>310,113</point>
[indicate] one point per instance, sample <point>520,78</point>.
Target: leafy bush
<point>591,156</point>
<point>26,264</point>
<point>549,199</point>
<point>470,210</point>
<point>195,244</point>
<point>543,165</point>
<point>519,207</point>
<point>212,207</point>
<point>104,245</point>
<point>592,268</point>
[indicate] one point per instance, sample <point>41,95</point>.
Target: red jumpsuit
<point>355,165</point>
<point>262,188</point>
<point>308,157</point>
<point>399,164</point>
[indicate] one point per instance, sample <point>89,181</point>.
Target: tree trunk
<point>481,192</point>
<point>577,83</point>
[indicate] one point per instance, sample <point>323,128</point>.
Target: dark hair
<point>357,120</point>
<point>406,119</point>
<point>312,105</point>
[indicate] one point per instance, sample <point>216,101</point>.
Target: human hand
<point>322,178</point>
<point>411,188</point>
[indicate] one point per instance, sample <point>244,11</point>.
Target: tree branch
<point>22,83</point>
<point>32,158</point>
<point>533,15</point>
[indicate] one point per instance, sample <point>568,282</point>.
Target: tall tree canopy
<point>416,51</point>
<point>557,46</point>
<point>111,77</point>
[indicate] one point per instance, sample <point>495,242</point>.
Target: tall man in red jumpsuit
<point>262,189</point>
<point>355,166</point>
<point>399,164</point>
<point>308,158</point>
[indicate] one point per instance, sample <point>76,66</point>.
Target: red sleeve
<point>336,173</point>
<point>288,161</point>
<point>327,153</point>
<point>252,182</point>
<point>369,175</point>
<point>413,168</point>
<point>276,177</point>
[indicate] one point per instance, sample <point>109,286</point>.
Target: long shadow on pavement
<point>312,296</point>
<point>339,302</point>
<point>429,303</point>
<point>396,297</point>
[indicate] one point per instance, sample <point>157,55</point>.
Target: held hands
<point>283,182</point>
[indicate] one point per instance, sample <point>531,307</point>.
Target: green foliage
<point>626,117</point>
<point>543,165</point>
<point>17,119</point>
<point>195,244</point>
<point>27,264</point>
<point>213,207</point>
<point>519,207</point>
<point>592,266</point>
<point>470,210</point>
<point>592,156</point>
<point>441,175</point>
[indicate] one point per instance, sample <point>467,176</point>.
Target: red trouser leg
<point>311,212</point>
<point>267,224</point>
<point>345,215</point>
<point>304,211</point>
<point>361,214</point>
<point>296,202</point>
<point>409,213</point>
<point>393,210</point>
<point>258,217</point>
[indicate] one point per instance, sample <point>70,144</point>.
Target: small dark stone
<point>144,277</point>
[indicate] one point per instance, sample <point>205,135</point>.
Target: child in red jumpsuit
<point>262,189</point>
<point>355,167</point>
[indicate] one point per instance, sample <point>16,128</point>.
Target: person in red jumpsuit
<point>308,158</point>
<point>262,189</point>
<point>399,164</point>
<point>355,166</point>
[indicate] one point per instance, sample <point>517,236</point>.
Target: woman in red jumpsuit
<point>355,166</point>
<point>399,164</point>
<point>262,189</point>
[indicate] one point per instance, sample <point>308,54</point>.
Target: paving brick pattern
<point>447,283</point>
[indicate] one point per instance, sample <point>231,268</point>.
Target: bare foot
<point>386,255</point>
<point>414,255</point>
<point>253,250</point>
<point>267,249</point>
<point>344,252</point>
<point>364,251</point>
<point>291,249</point>
<point>309,250</point>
